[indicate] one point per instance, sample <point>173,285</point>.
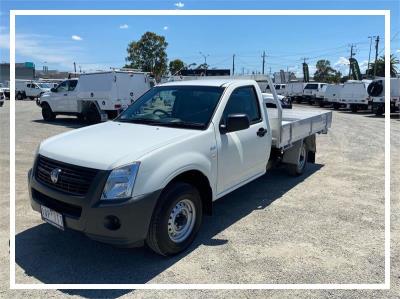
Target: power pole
<point>75,68</point>
<point>369,55</point>
<point>351,56</point>
<point>376,53</point>
<point>233,64</point>
<point>263,62</point>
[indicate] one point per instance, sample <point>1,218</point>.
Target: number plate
<point>52,217</point>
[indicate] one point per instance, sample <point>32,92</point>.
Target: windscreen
<point>311,86</point>
<point>174,106</point>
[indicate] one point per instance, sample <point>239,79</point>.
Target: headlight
<point>120,182</point>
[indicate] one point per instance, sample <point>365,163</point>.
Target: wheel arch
<point>199,180</point>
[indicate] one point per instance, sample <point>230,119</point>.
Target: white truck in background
<point>332,95</point>
<point>2,98</point>
<point>313,92</point>
<point>354,95</point>
<point>376,90</point>
<point>30,89</point>
<point>294,90</point>
<point>153,172</point>
<point>96,96</point>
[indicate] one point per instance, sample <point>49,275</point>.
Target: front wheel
<point>47,113</point>
<point>176,220</point>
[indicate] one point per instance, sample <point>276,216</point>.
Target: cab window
<point>243,100</point>
<point>62,87</point>
<point>72,85</point>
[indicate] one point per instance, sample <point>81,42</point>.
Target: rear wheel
<point>47,113</point>
<point>176,219</point>
<point>19,96</point>
<point>298,169</point>
<point>336,106</point>
<point>321,104</point>
<point>93,115</point>
<point>379,111</point>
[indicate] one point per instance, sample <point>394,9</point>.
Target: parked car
<point>355,96</point>
<point>332,95</point>
<point>269,100</point>
<point>152,173</point>
<point>29,89</point>
<point>95,96</point>
<point>376,90</point>
<point>6,90</point>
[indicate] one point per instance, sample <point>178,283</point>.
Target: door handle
<point>261,132</point>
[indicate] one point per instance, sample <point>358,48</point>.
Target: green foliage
<point>175,66</point>
<point>203,66</point>
<point>380,67</point>
<point>325,73</point>
<point>148,54</point>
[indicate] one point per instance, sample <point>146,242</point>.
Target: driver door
<point>242,154</point>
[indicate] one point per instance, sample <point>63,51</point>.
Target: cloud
<point>76,37</point>
<point>165,27</point>
<point>179,4</point>
<point>124,26</point>
<point>398,50</point>
<point>341,62</point>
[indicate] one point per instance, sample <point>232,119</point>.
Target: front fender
<point>170,168</point>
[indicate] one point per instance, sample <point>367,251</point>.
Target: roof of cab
<point>208,82</point>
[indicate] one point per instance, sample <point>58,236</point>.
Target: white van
<point>30,89</point>
<point>313,92</point>
<point>376,90</point>
<point>294,90</point>
<point>332,95</point>
<point>95,96</point>
<point>354,95</point>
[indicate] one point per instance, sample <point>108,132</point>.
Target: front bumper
<point>91,216</point>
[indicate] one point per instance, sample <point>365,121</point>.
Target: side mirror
<point>235,122</point>
<point>53,89</point>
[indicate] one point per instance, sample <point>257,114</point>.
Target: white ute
<point>95,96</point>
<point>151,174</point>
<point>354,95</point>
<point>30,89</point>
<point>376,90</point>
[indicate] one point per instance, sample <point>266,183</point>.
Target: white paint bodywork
<point>228,160</point>
<point>332,93</point>
<point>355,92</point>
<point>394,92</point>
<point>111,90</point>
<point>30,88</point>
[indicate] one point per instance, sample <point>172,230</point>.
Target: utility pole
<point>263,62</point>
<point>75,68</point>
<point>233,64</point>
<point>205,57</point>
<point>351,56</point>
<point>376,54</point>
<point>369,55</point>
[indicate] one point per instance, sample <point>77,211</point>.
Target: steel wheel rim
<point>302,158</point>
<point>181,220</point>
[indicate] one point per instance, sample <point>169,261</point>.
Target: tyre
<point>379,111</point>
<point>93,115</point>
<point>353,108</point>
<point>81,117</point>
<point>321,104</point>
<point>336,106</point>
<point>47,113</point>
<point>176,220</point>
<point>32,98</point>
<point>19,96</point>
<point>298,169</point>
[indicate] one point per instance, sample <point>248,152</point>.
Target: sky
<point>100,42</point>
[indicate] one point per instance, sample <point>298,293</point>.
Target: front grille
<point>56,205</point>
<point>72,179</point>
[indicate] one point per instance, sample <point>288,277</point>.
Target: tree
<point>325,73</point>
<point>380,67</point>
<point>175,66</point>
<point>148,54</point>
